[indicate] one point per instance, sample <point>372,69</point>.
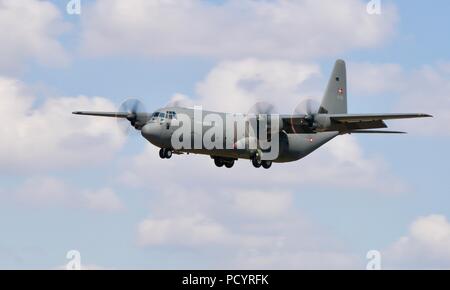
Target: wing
<point>344,123</point>
<point>344,118</point>
<point>376,132</point>
<point>103,114</point>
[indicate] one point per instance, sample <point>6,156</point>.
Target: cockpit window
<point>171,115</point>
<point>162,115</point>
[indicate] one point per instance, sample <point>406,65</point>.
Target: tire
<point>267,164</point>
<point>168,154</point>
<point>218,162</point>
<point>229,164</point>
<point>162,153</point>
<point>256,163</point>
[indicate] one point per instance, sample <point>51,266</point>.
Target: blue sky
<point>110,197</point>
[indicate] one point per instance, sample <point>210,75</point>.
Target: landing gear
<point>228,163</point>
<point>266,164</point>
<point>218,162</point>
<point>165,153</point>
<point>257,162</point>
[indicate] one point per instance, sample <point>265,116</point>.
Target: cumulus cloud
<point>47,191</point>
<point>235,86</point>
<point>240,229</point>
<point>421,90</point>
<point>30,30</point>
<point>192,230</point>
<point>46,135</point>
<point>283,28</point>
<point>425,246</point>
<point>104,199</point>
<point>43,191</point>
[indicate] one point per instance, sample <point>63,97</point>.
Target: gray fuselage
<point>292,147</point>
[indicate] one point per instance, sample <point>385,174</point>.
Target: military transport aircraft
<point>296,135</point>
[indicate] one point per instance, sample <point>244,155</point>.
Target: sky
<point>70,183</point>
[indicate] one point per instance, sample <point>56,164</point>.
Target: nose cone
<point>152,132</point>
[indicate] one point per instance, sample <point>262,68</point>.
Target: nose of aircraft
<point>152,132</point>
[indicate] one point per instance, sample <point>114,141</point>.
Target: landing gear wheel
<point>267,164</point>
<point>162,153</point>
<point>229,164</point>
<point>256,162</point>
<point>218,162</point>
<point>165,153</point>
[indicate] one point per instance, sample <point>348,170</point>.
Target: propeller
<point>137,114</point>
<point>263,110</point>
<point>309,108</point>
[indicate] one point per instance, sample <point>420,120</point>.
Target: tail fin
<point>335,98</point>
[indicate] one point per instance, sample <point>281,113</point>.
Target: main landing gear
<point>228,163</point>
<point>165,153</point>
<point>257,162</point>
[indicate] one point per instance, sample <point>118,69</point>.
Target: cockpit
<point>164,115</point>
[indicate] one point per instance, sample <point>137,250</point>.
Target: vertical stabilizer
<point>335,98</point>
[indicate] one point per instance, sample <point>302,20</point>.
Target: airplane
<point>298,134</point>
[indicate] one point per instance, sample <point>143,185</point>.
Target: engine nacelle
<point>322,121</point>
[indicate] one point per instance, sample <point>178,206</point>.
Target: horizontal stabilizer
<point>376,132</point>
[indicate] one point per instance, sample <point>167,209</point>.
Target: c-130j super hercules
<point>294,136</point>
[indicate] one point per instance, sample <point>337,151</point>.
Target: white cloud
<point>239,234</point>
<point>235,86</point>
<point>30,29</point>
<point>191,230</point>
<point>46,191</point>
<point>425,246</point>
<point>372,79</point>
<point>283,28</point>
<point>46,135</point>
<point>43,191</point>
<point>102,200</point>
<point>422,90</point>
<point>266,204</point>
